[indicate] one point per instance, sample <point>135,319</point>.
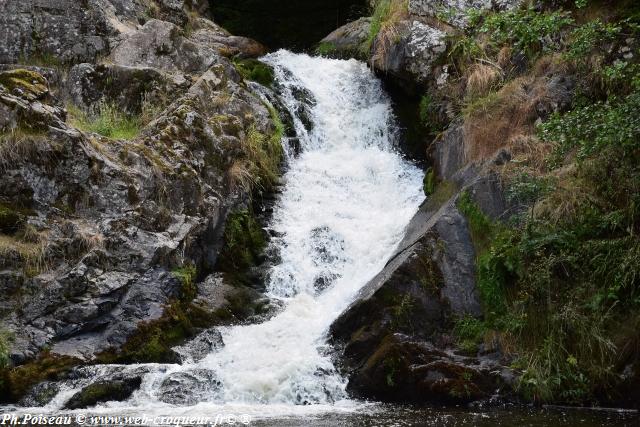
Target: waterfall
<point>347,198</point>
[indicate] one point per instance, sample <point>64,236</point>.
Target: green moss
<point>187,276</point>
<point>429,182</point>
<point>103,391</point>
<point>480,226</point>
<point>244,241</point>
<point>252,69</point>
<point>16,382</point>
<point>442,193</point>
<point>326,48</point>
<point>30,83</point>
<point>152,341</point>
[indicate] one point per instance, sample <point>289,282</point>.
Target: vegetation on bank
<point>255,70</point>
<point>560,279</point>
<point>384,20</point>
<point>255,168</point>
<point>111,121</point>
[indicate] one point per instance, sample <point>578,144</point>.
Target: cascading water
<point>347,198</point>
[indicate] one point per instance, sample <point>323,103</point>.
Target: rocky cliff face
<point>102,233</point>
<point>398,342</point>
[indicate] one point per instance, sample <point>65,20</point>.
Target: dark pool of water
<point>394,416</point>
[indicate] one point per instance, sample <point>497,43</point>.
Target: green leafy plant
<point>584,39</point>
<point>527,30</point>
<point>591,128</point>
<point>469,332</point>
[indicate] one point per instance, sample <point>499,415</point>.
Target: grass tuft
<point>109,121</point>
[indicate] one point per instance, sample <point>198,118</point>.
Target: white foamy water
<point>347,198</point>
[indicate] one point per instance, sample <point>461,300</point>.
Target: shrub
<point>527,30</point>
<point>584,39</point>
<point>469,332</point>
<point>525,189</point>
<point>621,78</point>
<point>591,128</point>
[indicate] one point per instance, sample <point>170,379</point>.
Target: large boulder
<point>395,342</point>
<point>404,369</point>
<point>161,45</point>
<point>348,40</point>
<point>408,46</point>
<point>103,391</point>
<point>408,51</point>
<point>131,89</point>
<point>189,387</point>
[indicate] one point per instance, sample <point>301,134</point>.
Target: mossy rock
<point>104,391</point>
<point>16,382</point>
<point>152,341</point>
<point>429,182</point>
<point>41,394</point>
<point>26,83</point>
<point>252,69</point>
<point>244,243</point>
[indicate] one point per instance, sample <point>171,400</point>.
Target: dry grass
<point>506,118</point>
<point>15,252</point>
<point>89,240</point>
<point>239,176</point>
<point>19,145</point>
<point>389,14</point>
<point>527,151</point>
<point>481,79</point>
<point>504,57</point>
<point>565,201</point>
<point>494,121</point>
<point>550,65</point>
